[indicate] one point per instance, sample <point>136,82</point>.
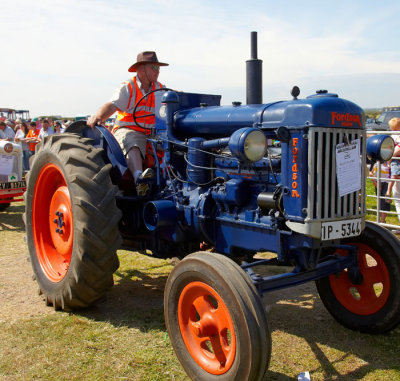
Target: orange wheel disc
<point>52,222</point>
<point>207,328</point>
<point>372,294</point>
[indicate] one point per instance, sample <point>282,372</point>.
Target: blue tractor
<point>231,181</point>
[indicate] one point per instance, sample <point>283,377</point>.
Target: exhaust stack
<point>253,74</point>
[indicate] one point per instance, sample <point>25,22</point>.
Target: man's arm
<point>102,114</point>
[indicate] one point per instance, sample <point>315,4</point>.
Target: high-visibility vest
<point>146,106</point>
<point>33,134</point>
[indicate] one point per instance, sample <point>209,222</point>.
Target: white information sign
<point>348,167</point>
<point>6,164</point>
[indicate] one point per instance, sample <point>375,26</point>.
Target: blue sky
<point>66,57</point>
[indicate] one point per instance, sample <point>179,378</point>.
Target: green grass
<point>124,336</point>
<point>75,347</point>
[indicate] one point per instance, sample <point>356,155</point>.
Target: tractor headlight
<point>380,147</point>
<point>248,144</point>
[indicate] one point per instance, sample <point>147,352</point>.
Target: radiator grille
<point>324,202</point>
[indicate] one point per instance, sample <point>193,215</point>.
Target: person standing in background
<point>8,132</point>
<point>32,138</point>
<point>58,128</point>
<point>21,132</point>
<point>394,125</point>
<point>45,131</point>
<point>384,205</point>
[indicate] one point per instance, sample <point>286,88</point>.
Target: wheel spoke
<point>367,292</point>
<point>202,305</point>
<point>220,351</point>
<point>373,275</point>
<point>220,319</point>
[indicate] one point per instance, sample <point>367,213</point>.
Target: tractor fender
<point>103,138</point>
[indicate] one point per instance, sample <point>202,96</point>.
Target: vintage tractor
<point>231,181</point>
<point>12,182</point>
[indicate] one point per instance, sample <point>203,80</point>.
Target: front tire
<point>71,222</point>
<point>215,320</point>
<point>374,305</point>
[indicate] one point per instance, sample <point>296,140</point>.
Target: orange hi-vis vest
<point>146,106</point>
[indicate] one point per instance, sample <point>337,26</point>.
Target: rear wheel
<point>373,306</point>
<point>215,320</point>
<point>71,222</point>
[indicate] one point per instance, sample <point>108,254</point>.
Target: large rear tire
<point>71,222</point>
<point>373,306</point>
<point>215,320</point>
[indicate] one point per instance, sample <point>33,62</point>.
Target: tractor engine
<point>265,175</point>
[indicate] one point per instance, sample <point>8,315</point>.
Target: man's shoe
<point>143,182</point>
<point>148,173</point>
<point>142,189</point>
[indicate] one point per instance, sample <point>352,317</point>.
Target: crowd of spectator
<point>30,133</point>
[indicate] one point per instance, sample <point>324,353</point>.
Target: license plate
<point>340,229</point>
<point>13,185</point>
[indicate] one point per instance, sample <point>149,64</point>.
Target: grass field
<point>124,336</point>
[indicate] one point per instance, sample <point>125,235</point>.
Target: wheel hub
<point>207,328</point>
<point>60,224</point>
<point>52,224</point>
<point>59,221</point>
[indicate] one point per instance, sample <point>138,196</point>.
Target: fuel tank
<point>322,109</point>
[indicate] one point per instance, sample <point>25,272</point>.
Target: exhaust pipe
<point>253,74</point>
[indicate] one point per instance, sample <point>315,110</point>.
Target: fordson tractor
<point>285,177</point>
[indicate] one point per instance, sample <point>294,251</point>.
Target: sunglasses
<point>155,67</point>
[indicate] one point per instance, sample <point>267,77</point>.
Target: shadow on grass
<point>11,218</point>
<point>303,315</point>
<point>135,301</point>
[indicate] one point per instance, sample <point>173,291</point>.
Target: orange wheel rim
<point>372,294</point>
<point>207,328</point>
<point>52,222</point>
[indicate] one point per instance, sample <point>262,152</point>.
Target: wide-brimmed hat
<point>146,57</point>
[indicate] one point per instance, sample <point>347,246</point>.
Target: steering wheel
<point>135,118</point>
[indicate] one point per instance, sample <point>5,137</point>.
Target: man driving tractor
<point>131,130</point>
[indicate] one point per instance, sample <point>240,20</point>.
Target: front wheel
<point>71,221</point>
<point>215,320</point>
<point>373,306</point>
